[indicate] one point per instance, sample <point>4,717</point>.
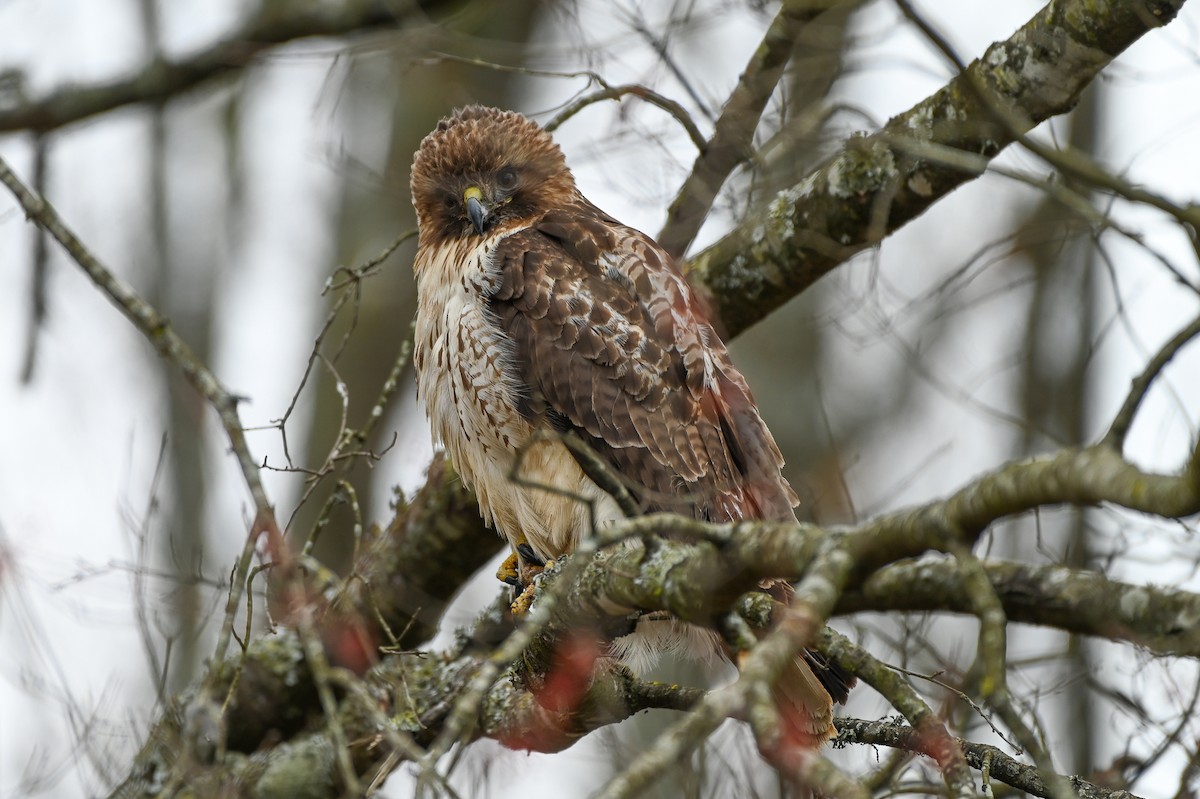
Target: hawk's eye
<point>450,201</point>
<point>506,179</point>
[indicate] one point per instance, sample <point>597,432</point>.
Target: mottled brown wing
<point>610,342</point>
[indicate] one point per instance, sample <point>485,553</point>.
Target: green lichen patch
<point>861,169</point>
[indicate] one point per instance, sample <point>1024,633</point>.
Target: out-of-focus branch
<point>278,23</point>
<point>151,324</point>
<point>872,187</point>
<point>412,691</point>
<point>733,132</point>
<point>38,303</point>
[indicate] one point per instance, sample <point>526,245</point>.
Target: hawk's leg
<point>520,567</point>
<point>510,571</point>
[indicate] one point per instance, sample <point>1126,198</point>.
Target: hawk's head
<point>482,168</point>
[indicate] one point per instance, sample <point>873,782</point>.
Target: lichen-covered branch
<point>936,739</point>
<point>873,187</point>
<point>1164,620</point>
<point>1001,767</point>
<point>696,579</point>
<point>699,578</point>
<point>412,692</point>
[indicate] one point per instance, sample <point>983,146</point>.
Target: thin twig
<point>163,80</point>
<point>733,132</point>
<point>677,111</point>
<point>1119,429</point>
<point>174,350</point>
<point>398,739</point>
<point>940,745</point>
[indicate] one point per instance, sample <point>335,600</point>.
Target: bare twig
<point>163,80</point>
<point>175,350</point>
<point>733,132</point>
<point>677,111</point>
<point>1115,437</point>
<point>348,282</point>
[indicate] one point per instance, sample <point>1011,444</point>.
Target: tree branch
<point>1165,621</point>
<point>413,691</point>
<point>1001,767</point>
<point>733,132</point>
<point>872,187</point>
<point>277,24</point>
<point>174,350</point>
<point>695,580</point>
<point>936,739</point>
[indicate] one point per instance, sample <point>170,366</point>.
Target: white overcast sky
<point>79,445</point>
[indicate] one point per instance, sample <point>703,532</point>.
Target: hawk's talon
<point>530,557</point>
<point>510,571</point>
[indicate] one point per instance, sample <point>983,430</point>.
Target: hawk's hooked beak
<point>477,212</point>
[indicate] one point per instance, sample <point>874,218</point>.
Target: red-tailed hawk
<point>539,313</point>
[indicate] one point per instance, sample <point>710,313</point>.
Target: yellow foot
<point>509,571</point>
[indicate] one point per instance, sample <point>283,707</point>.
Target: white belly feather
<point>467,379</point>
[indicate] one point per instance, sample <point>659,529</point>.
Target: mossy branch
<point>872,187</point>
